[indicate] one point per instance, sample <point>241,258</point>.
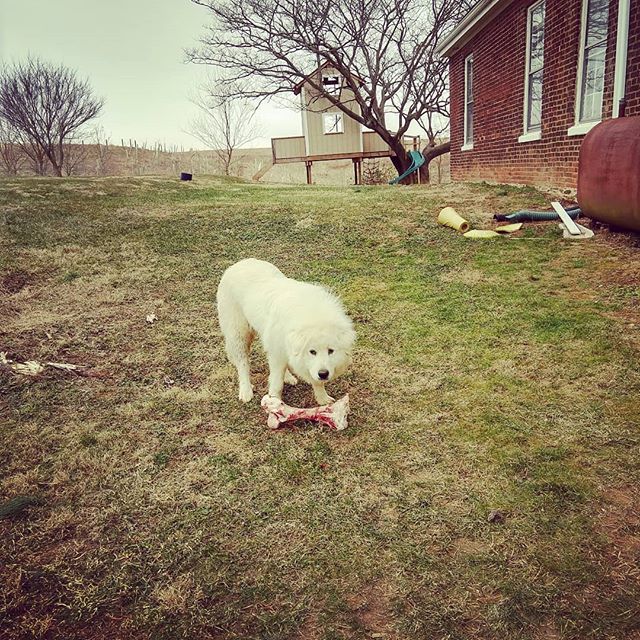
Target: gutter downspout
<point>622,45</point>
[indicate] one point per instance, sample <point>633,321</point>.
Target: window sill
<point>530,137</point>
<point>582,128</point>
<point>467,147</point>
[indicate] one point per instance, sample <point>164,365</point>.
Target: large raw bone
<point>333,415</point>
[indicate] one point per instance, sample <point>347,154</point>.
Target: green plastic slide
<point>417,160</point>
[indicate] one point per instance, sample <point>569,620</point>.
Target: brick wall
<point>633,65</point>
<point>499,67</point>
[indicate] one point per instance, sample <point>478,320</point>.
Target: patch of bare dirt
<point>372,609</point>
<point>625,276</point>
<point>15,281</point>
<point>620,523</point>
<point>621,279</point>
<point>311,629</point>
<point>613,236</point>
<point>548,631</point>
<point>616,592</point>
<point>612,277</point>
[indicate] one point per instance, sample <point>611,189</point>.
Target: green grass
<point>488,375</point>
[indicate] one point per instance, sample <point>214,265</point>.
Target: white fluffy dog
<point>303,328</point>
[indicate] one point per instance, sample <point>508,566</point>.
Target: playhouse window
<point>593,48</point>
<point>535,63</point>
<point>331,83</point>
<point>333,122</point>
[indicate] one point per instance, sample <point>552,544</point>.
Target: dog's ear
<point>296,342</point>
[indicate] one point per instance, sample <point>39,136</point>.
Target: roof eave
<point>473,22</point>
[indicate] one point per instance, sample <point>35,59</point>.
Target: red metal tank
<point>609,173</point>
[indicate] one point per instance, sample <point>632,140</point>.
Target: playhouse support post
<point>308,164</point>
<point>357,170</point>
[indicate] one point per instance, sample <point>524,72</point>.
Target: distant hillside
<point>117,160</point>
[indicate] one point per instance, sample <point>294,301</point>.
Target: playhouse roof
<point>298,87</point>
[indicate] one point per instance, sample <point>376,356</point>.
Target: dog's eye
<point>330,351</point>
<point>312,352</point>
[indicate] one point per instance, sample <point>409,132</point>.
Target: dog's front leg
<point>322,397</point>
<point>277,368</point>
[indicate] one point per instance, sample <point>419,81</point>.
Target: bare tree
<point>11,156</point>
<point>225,123</point>
<point>47,105</point>
<point>35,153</point>
<point>104,151</point>
<point>435,127</point>
<point>28,151</point>
<point>384,50</point>
<point>75,156</point>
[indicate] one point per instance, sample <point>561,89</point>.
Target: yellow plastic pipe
<point>509,228</point>
<point>482,233</point>
<point>449,218</point>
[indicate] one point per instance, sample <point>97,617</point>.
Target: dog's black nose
<point>323,374</point>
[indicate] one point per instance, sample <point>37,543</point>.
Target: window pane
<point>534,120</point>
<point>592,84</point>
<point>533,99</point>
<point>597,22</point>
<point>536,42</point>
<point>468,102</point>
<point>332,122</point>
<point>331,83</point>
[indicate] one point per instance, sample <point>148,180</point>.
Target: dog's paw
<point>246,394</point>
<point>289,378</point>
<point>325,399</point>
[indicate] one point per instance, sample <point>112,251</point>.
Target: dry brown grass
<point>487,376</point>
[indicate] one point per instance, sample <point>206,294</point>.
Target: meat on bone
<point>333,415</point>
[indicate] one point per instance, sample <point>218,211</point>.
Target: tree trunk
<point>54,161</point>
<point>429,153</point>
<point>58,166</point>
<point>400,160</point>
<point>40,166</point>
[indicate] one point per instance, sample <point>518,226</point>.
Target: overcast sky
<point>132,51</point>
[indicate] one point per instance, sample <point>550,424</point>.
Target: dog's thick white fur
<point>303,328</point>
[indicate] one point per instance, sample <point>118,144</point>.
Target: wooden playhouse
<point>328,132</point>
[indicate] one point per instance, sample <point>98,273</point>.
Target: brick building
<point>529,78</point>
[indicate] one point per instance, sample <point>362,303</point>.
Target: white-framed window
<point>468,103</point>
<point>332,122</point>
<point>532,125</point>
<point>591,65</point>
